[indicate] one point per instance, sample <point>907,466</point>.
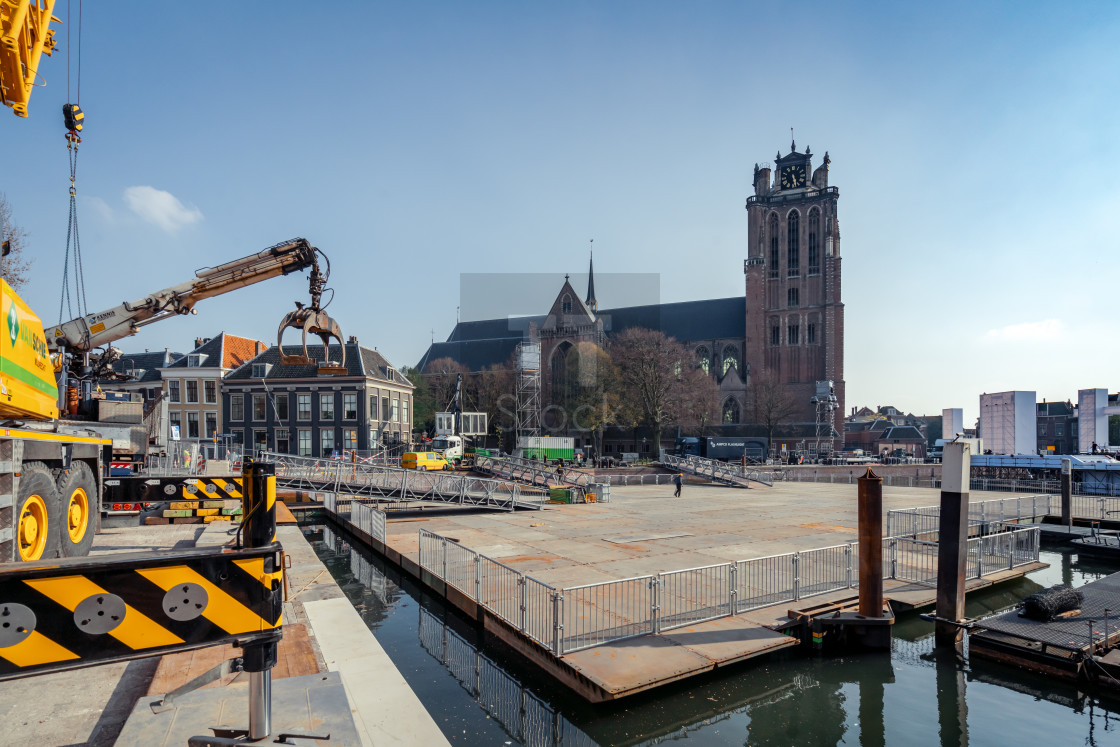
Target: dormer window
<point>195,360</point>
<point>260,370</point>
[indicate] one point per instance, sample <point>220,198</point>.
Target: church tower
<point>795,317</point>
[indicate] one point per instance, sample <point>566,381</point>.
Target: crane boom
<point>91,331</point>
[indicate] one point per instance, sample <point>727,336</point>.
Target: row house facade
<point>192,383</point>
<point>293,409</point>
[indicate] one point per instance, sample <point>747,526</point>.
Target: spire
<point>591,302</point>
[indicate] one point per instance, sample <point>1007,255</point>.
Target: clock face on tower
<point>793,176</point>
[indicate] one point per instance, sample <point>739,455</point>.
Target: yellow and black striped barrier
<point>74,613</point>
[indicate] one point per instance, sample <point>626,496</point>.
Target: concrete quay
<point>332,675</point>
<point>644,530</point>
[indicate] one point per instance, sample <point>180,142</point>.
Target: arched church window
<point>566,304</point>
<point>773,245</point>
<point>731,410</point>
<point>814,242</point>
<point>730,358</point>
<point>793,244</point>
<point>704,358</point>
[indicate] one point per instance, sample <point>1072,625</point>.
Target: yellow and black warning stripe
<point>74,614</point>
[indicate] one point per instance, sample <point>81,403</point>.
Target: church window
<point>775,335</point>
<point>793,245</point>
<point>704,358</point>
<point>793,297</point>
<point>811,333</point>
<point>730,358</point>
<point>814,242</point>
<point>566,304</point>
<point>793,333</point>
<point>773,245</point>
<point>731,411</point>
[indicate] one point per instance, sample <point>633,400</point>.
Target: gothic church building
<point>789,323</point>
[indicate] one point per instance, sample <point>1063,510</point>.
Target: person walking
<point>677,482</point>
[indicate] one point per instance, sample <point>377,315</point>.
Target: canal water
<point>480,693</point>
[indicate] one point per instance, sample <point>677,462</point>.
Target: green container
<point>560,495</point>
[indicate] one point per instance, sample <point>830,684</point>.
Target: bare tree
<point>659,379</point>
<point>16,268</point>
<point>772,402</point>
<point>594,398</point>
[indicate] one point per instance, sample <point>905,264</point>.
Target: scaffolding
<point>528,391</point>
<point>826,403</point>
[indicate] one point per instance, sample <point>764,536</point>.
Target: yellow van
<point>425,460</point>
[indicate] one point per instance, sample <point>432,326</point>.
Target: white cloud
<point>1047,329</point>
<point>161,208</point>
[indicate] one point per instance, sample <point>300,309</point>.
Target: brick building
<point>794,314</point>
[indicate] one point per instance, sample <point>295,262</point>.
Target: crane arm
<point>94,330</point>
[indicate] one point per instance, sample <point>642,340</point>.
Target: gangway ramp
<point>532,472</point>
<point>717,471</point>
<point>385,483</point>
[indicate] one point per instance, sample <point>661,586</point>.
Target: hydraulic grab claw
<point>313,319</point>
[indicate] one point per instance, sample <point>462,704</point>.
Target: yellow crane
<point>25,36</point>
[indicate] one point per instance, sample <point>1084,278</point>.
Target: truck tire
<point>37,521</point>
<point>77,492</point>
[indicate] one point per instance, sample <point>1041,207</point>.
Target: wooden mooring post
<point>870,507</point>
<point>952,547</point>
<point>1067,492</point>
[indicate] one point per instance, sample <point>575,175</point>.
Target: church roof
<point>479,344</point>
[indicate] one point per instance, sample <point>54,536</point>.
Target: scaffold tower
<point>528,391</point>
<point>826,403</point>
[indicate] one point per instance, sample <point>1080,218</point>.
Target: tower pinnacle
<point>591,302</point>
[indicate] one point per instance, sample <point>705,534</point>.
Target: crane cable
<point>74,119</point>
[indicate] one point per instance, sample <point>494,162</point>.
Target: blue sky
<point>973,146</point>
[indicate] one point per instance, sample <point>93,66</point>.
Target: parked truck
<point>724,448</point>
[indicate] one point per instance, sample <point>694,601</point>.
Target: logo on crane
<point>13,323</point>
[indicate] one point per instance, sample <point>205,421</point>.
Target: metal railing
<point>578,617</point>
<point>714,469</point>
<point>394,483</point>
<point>532,471</point>
<point>369,519</point>
<point>1032,508</point>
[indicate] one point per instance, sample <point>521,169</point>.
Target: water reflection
<point>482,693</point>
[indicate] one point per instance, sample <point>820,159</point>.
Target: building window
<point>210,391</point>
<point>303,407</point>
<point>282,445</point>
<point>349,439</point>
<point>281,404</point>
<point>175,420</point>
<point>192,425</point>
<point>349,406</point>
<point>211,425</point>
<point>195,360</point>
<point>326,441</point>
<point>396,411</point>
<point>793,298</point>
<point>259,405</point>
<point>304,442</point>
<point>794,334</point>
<point>385,409</point>
<point>374,438</point>
<point>774,245</point>
<point>260,370</point>
<point>811,333</point>
<point>236,407</point>
<point>326,406</point>
<point>731,411</point>
<point>704,358</point>
<point>566,304</point>
<point>814,242</point>
<point>192,391</point>
<point>404,411</point>
<point>775,335</point>
<point>730,358</point>
<point>1059,429</point>
<point>173,390</point>
<point>372,407</point>
<point>793,245</point>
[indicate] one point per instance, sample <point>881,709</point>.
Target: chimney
<point>352,340</point>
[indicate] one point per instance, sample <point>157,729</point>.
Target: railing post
<point>894,558</point>
<point>524,600</point>
<point>557,625</point>
<point>477,577</point>
<point>848,558</point>
<point>733,587</point>
<point>655,603</point>
<point>443,541</point>
<point>794,561</point>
